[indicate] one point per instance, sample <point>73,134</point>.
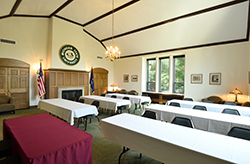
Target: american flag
<point>40,82</point>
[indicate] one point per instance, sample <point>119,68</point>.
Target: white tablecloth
<point>133,98</point>
<point>211,107</point>
<point>209,121</point>
<point>105,102</point>
<point>174,144</point>
<point>67,109</point>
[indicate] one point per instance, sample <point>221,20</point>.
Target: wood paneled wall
<point>14,81</point>
<point>55,78</point>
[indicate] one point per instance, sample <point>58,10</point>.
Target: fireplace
<point>70,92</point>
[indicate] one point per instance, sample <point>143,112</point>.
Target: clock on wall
<point>69,55</point>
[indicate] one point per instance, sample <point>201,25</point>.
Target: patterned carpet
<point>104,151</point>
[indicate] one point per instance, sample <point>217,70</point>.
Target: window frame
<point>174,82</point>
<point>159,82</point>
<point>147,82</point>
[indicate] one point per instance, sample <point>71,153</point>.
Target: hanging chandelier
<point>112,52</point>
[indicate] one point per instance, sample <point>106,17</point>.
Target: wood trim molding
<point>110,12</point>
<point>6,62</point>
<point>65,70</point>
<point>100,70</point>
<point>61,7</point>
<point>177,18</point>
<point>184,48</point>
<point>14,8</point>
<point>95,38</point>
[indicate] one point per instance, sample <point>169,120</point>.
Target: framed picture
<point>134,78</point>
<point>125,78</point>
<point>215,78</point>
<point>196,78</point>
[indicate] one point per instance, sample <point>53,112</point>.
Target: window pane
<point>164,74</point>
<point>179,63</point>
<point>151,71</point>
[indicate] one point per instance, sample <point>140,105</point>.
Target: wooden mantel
<point>55,78</point>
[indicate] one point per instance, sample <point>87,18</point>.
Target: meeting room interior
<point>124,81</point>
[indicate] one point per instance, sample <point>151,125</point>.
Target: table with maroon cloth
<point>42,138</point>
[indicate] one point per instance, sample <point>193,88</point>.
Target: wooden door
<point>100,81</point>
<point>19,86</point>
<point>14,81</point>
<point>3,81</point>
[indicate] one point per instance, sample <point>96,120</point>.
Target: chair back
<point>182,121</point>
<point>207,101</point>
<point>175,104</point>
<point>188,99</point>
<point>96,103</point>
<point>231,111</point>
<point>113,96</point>
<point>125,98</point>
<point>81,100</point>
<point>149,114</point>
<point>229,103</point>
<point>199,107</point>
<point>241,133</point>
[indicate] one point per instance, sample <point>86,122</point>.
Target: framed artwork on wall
<point>196,78</point>
<point>215,78</point>
<point>134,78</point>
<point>125,78</point>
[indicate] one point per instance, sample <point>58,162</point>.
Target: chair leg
<point>86,123</point>
<point>97,118</point>
<point>78,122</point>
<point>13,111</point>
<point>128,110</point>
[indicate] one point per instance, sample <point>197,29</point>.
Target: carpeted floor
<point>104,151</point>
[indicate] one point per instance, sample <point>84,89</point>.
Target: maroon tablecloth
<point>44,139</point>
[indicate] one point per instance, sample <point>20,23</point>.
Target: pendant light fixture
<point>112,52</point>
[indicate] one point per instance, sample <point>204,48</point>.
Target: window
<point>151,72</point>
<point>164,74</point>
<point>179,74</point>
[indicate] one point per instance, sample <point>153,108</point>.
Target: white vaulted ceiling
<point>145,26</point>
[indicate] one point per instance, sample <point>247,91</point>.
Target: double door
<point>14,82</point>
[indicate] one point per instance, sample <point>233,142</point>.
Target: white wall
<point>64,33</point>
<point>231,60</point>
<point>42,38</point>
<point>31,36</point>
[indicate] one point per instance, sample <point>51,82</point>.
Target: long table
<point>106,102</point>
<point>135,99</point>
<point>42,138</point>
<point>211,107</point>
<point>171,143</point>
<point>209,121</point>
<point>66,109</point>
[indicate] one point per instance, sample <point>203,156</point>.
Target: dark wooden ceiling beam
<point>177,18</point>
<point>61,7</point>
<point>110,12</point>
<point>184,48</point>
<point>14,8</point>
<point>95,38</point>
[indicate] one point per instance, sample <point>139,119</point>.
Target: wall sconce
<point>236,92</point>
<point>40,66</point>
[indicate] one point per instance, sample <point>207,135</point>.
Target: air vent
<point>99,57</point>
<point>7,41</point>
